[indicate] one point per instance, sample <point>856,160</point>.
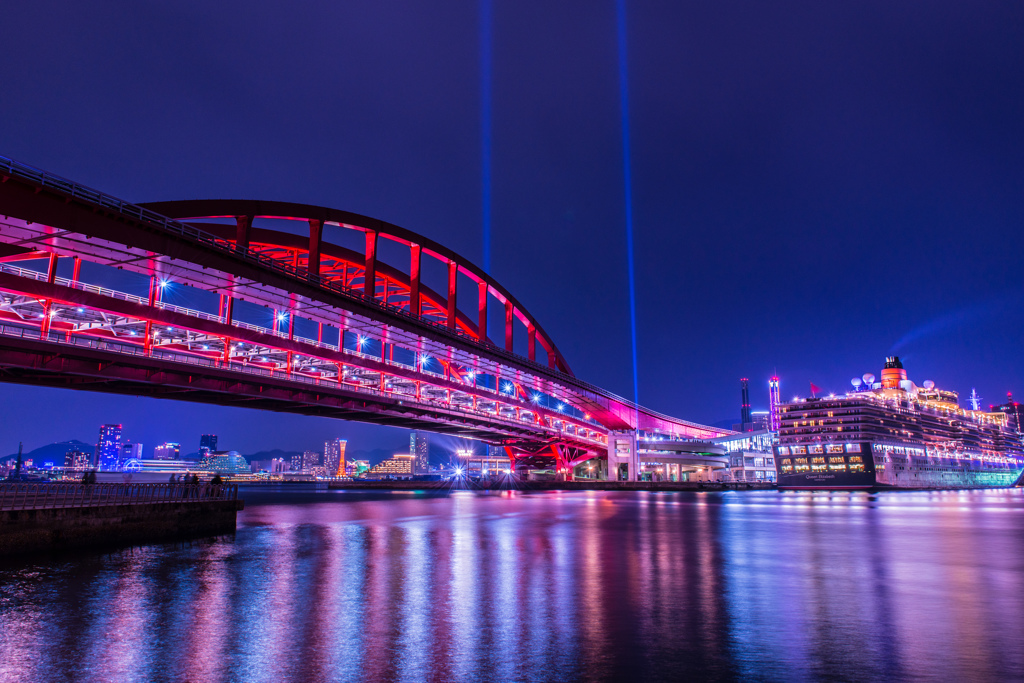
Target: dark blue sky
<point>816,185</point>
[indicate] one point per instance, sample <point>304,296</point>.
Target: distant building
<point>334,457</point>
<point>108,448</point>
<point>745,402</point>
<point>207,444</point>
<point>77,460</point>
<point>1013,409</point>
<point>310,461</point>
<point>419,448</point>
<point>129,451</point>
<point>224,462</point>
<point>760,420</point>
<point>167,451</point>
<point>751,458</point>
<point>398,466</point>
<point>163,466</point>
<point>356,468</point>
<point>272,466</point>
<point>296,463</point>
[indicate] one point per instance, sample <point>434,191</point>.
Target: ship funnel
<point>893,373</point>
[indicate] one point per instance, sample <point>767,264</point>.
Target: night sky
<point>815,185</point>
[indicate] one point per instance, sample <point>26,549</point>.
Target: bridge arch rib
<point>310,254</point>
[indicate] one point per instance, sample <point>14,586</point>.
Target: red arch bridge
<point>246,303</point>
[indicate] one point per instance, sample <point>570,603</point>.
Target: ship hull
<point>887,468</point>
<point>827,480</point>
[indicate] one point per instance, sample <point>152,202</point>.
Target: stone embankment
<point>37,517</point>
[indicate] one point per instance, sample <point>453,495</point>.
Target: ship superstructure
<point>895,434</point>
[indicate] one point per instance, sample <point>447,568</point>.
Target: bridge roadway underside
<point>43,363</point>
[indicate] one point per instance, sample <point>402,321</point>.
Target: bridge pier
<point>622,451</point>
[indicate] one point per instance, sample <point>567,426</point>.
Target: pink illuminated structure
<point>247,303</point>
<point>773,404</point>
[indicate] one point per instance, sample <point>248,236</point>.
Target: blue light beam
<point>486,62</point>
<point>627,181</point>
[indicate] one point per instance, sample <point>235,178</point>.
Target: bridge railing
<point>57,495</point>
<point>129,349</point>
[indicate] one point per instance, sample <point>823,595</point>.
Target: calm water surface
<point>334,586</point>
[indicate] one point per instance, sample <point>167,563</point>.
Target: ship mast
<point>975,400</point>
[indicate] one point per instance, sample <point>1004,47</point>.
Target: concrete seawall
<point>25,531</point>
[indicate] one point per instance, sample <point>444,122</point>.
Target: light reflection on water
<point>325,586</point>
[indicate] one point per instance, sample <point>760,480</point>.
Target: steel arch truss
<point>225,293</point>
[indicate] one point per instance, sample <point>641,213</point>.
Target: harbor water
<point>320,585</point>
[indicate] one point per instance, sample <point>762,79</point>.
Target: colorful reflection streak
<point>330,586</point>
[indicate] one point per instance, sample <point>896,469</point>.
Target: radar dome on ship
<point>869,379</point>
<point>928,384</point>
<point>856,382</point>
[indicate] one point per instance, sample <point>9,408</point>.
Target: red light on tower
<point>773,404</point>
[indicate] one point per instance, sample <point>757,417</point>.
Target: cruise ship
<point>894,434</point>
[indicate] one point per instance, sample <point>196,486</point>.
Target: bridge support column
<point>243,224</point>
<point>531,342</point>
<point>415,259</point>
<point>508,325</point>
<point>76,270</point>
<point>453,272</point>
<point>147,343</point>
<point>370,265</point>
<point>316,233</point>
<point>481,324</point>
<point>622,451</point>
<point>51,275</point>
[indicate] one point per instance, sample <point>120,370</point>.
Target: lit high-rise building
<point>108,448</point>
<point>311,461</point>
<point>419,448</point>
<point>334,457</point>
<point>77,460</point>
<point>207,444</point>
<point>745,420</point>
<point>129,451</point>
<point>167,451</point>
